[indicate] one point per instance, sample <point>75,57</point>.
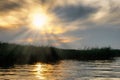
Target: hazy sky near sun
<point>63,23</point>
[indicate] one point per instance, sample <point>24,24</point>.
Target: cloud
<point>28,40</point>
<point>108,12</point>
<point>12,14</point>
<point>75,21</point>
<point>95,11</point>
<point>7,5</point>
<point>72,13</point>
<point>66,11</point>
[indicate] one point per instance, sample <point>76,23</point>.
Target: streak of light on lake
<point>64,70</point>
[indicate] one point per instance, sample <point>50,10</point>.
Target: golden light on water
<point>38,69</point>
<point>44,71</point>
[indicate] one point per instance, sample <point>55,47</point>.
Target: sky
<point>75,24</point>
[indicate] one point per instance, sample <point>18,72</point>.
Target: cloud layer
<point>76,23</point>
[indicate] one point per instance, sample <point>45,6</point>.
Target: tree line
<point>11,54</point>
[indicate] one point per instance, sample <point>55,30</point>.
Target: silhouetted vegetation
<point>11,54</point>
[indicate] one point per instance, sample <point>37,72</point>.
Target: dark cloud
<point>114,7</point>
<point>71,13</point>
<point>7,5</point>
<point>43,1</point>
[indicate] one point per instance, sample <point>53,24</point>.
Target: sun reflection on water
<point>39,69</point>
<point>43,71</point>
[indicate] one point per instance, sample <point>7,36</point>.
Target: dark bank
<point>11,54</point>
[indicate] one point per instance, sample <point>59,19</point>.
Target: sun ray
<point>22,36</point>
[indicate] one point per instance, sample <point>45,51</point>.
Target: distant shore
<point>11,54</point>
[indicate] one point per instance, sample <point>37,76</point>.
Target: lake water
<point>64,70</point>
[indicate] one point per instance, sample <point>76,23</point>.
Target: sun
<point>38,19</point>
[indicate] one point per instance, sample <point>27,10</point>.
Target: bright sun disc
<point>39,20</point>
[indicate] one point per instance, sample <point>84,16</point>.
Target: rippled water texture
<point>65,70</point>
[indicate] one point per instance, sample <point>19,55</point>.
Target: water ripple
<point>65,70</point>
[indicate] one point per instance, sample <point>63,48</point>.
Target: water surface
<point>65,70</point>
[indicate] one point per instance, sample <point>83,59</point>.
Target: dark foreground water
<point>65,70</point>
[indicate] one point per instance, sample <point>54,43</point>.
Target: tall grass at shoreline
<point>11,54</point>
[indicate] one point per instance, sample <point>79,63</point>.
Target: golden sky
<point>74,23</point>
